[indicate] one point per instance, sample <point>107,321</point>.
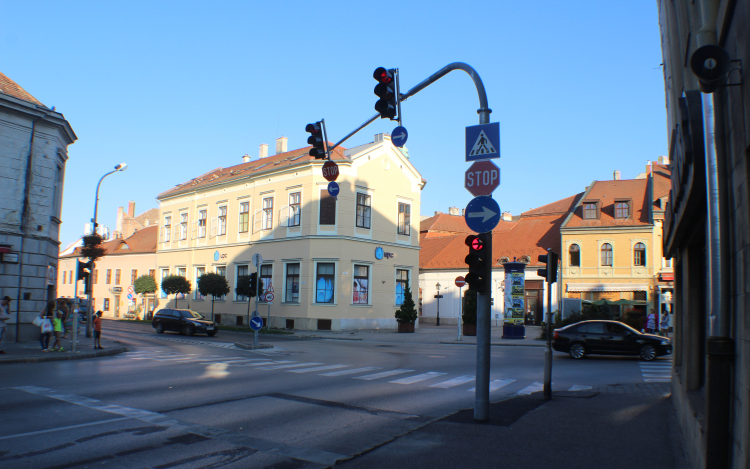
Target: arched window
<point>639,254</point>
<point>622,210</point>
<point>607,254</point>
<point>575,255</point>
<point>589,211</point>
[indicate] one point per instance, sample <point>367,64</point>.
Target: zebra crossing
<point>400,376</point>
<point>657,371</point>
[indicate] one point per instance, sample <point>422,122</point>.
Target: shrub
<point>635,318</point>
<point>469,314</point>
<point>590,312</point>
<point>407,313</point>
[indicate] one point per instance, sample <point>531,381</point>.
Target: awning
<point>609,287</point>
<point>666,277</point>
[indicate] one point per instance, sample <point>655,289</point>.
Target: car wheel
<point>212,333</point>
<point>577,351</point>
<point>159,329</point>
<point>189,330</point>
<point>648,352</point>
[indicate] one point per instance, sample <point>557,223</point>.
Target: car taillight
<point>557,336</point>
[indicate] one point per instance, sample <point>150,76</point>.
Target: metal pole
<point>482,393</point>
<point>255,313</point>
<point>460,307</point>
<point>437,322</point>
<point>548,346</point>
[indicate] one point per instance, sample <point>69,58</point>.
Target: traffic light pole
<point>548,346</point>
<point>482,388</point>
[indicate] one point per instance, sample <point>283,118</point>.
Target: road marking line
<point>318,368</point>
<point>265,362</point>
<point>231,360</point>
<point>578,387</point>
<point>290,366</point>
<point>537,386</point>
<point>417,378</point>
<point>497,384</point>
<point>453,382</point>
<point>383,374</point>
<point>351,372</point>
<point>59,429</point>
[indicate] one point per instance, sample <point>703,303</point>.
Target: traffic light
<point>83,271</point>
<point>550,270</point>
<point>477,262</point>
<point>318,151</point>
<point>253,282</point>
<point>387,91</point>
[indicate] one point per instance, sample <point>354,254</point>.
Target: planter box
<point>470,329</point>
<point>406,327</point>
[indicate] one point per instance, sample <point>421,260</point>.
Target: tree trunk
<point>212,308</point>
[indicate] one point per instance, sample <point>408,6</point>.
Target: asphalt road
<point>177,401</point>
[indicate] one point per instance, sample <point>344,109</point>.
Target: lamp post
<point>90,308</point>
<point>437,323</point>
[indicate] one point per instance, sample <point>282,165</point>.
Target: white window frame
<point>369,267</point>
<point>284,299</point>
<point>222,220</point>
<point>292,215</point>
<point>183,226</point>
<point>247,213</point>
<point>216,270</point>
<point>202,220</point>
<point>396,281</point>
<point>407,226</point>
<point>200,269</point>
<point>167,229</point>
<point>315,281</point>
<point>237,275</point>
<point>183,272</point>
<point>267,213</point>
<point>164,273</point>
<point>260,271</point>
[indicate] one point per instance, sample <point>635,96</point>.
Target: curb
<point>66,356</point>
<point>498,344</point>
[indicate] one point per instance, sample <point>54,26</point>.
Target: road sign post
<point>482,178</point>
<point>460,282</point>
<point>330,171</point>
<point>482,214</point>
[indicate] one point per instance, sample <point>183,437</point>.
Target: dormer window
<point>591,210</point>
<point>524,260</point>
<point>504,260</point>
<point>622,209</point>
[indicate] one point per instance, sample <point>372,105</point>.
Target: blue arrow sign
<point>256,323</point>
<point>333,188</point>
<point>483,141</point>
<point>482,214</point>
<point>399,136</point>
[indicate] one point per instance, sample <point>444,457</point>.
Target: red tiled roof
<point>142,241</point>
<point>662,181</point>
<point>555,208</point>
<point>252,168</point>
<point>444,224</point>
<point>10,87</point>
<point>607,192</point>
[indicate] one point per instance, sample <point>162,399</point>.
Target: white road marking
<point>289,366</point>
<point>496,384</point>
<point>318,368</point>
<point>60,429</point>
<point>454,382</point>
<point>417,378</point>
<point>536,387</point>
<point>578,387</point>
<point>351,372</point>
<point>383,374</point>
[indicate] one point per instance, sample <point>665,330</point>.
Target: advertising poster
<point>514,294</point>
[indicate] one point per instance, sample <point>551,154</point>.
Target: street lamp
<point>118,168</point>
<point>437,323</point>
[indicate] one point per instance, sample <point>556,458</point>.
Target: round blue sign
<point>333,188</point>
<point>378,253</point>
<point>482,214</point>
<point>399,136</point>
<point>216,256</point>
<point>256,323</point>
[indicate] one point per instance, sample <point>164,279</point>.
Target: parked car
<point>608,338</point>
<point>183,321</point>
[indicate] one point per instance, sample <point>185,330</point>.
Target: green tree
<point>92,247</point>
<point>407,313</point>
<point>215,285</point>
<point>470,307</point>
<point>243,288</point>
<point>175,284</point>
<point>145,284</point>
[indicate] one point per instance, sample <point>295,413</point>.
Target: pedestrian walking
<point>57,328</point>
<point>44,321</point>
<point>651,322</point>
<point>63,306</point>
<point>98,330</point>
<point>664,324</point>
<point>4,316</point>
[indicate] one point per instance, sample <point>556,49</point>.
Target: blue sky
<point>176,89</point>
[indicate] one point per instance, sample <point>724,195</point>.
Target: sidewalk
<point>26,352</point>
<point>428,334</point>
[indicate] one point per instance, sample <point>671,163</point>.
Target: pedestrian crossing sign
<point>483,142</point>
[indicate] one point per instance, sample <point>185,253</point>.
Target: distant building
<point>128,223</point>
<point>34,143</point>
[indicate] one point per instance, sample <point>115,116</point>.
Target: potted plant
<point>470,313</point>
<point>406,315</point>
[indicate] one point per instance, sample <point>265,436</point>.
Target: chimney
<point>507,216</point>
<point>453,210</point>
<point>616,175</point>
<point>438,213</point>
<point>648,168</point>
<point>664,160</point>
<point>378,138</point>
<point>131,209</point>
<point>263,151</point>
<point>246,158</point>
<point>281,145</point>
<point>463,212</point>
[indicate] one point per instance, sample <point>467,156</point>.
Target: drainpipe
<point>25,220</point>
<point>719,346</point>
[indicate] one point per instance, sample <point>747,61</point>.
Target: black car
<point>608,338</point>
<point>183,321</point>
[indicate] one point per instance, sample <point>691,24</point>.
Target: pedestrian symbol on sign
<point>482,146</point>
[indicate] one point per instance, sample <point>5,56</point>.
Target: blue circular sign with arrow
<point>256,323</point>
<point>333,188</point>
<point>482,214</point>
<point>399,136</point>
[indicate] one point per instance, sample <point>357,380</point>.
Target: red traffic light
<point>474,242</point>
<point>313,128</point>
<point>383,75</point>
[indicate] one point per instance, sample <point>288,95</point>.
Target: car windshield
<point>191,315</point>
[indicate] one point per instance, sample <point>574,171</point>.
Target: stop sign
<point>460,281</point>
<point>330,171</point>
<point>482,178</point>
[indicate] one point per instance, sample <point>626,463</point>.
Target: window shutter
<point>284,216</point>
<point>161,234</point>
<point>195,229</point>
<point>257,219</point>
<point>214,226</point>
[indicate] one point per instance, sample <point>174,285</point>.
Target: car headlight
<point>666,342</point>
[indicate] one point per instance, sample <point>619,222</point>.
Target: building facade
<point>705,45</point>
<point>34,143</point>
<point>333,263</point>
<point>611,243</point>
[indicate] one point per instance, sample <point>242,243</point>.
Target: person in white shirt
<point>4,316</point>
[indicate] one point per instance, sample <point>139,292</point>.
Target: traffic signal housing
<point>318,150</point>
<point>550,270</point>
<point>387,91</point>
<point>477,262</point>
<point>254,282</point>
<point>83,272</point>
